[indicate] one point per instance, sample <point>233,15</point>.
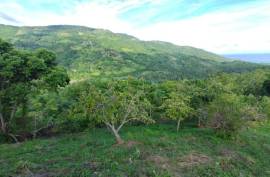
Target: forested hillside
<point>216,126</point>
<point>80,96</point>
<point>94,53</point>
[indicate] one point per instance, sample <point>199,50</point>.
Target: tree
<point>266,87</point>
<point>226,115</point>
<point>43,112</point>
<point>22,73</point>
<point>177,107</point>
<point>118,105</point>
<point>265,105</point>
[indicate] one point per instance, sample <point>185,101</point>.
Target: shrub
<point>226,114</point>
<point>265,105</point>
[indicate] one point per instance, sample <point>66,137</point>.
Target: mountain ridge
<point>155,42</point>
<point>94,53</point>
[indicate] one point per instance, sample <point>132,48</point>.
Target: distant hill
<point>97,53</point>
<point>256,58</point>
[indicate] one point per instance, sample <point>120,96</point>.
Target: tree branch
<point>13,137</point>
<point>126,116</point>
<point>14,109</point>
<point>121,125</point>
<point>124,122</point>
<point>34,133</point>
<point>3,125</point>
<point>109,125</point>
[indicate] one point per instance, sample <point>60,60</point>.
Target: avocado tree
<point>118,105</point>
<point>177,107</point>
<point>22,73</point>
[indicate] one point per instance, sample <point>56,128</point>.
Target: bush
<point>226,114</point>
<point>252,109</point>
<point>265,105</point>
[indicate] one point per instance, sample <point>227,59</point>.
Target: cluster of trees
<point>225,103</point>
<point>22,76</point>
<point>34,96</point>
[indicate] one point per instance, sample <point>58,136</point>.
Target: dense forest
<point>171,97</point>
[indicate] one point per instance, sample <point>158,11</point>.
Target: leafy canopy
<point>118,103</point>
<point>22,73</point>
<point>177,107</point>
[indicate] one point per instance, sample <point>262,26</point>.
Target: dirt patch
<point>246,158</point>
<point>128,144</point>
<point>91,165</point>
<point>190,138</point>
<point>194,159</point>
<point>45,174</point>
<point>28,173</point>
<point>159,161</point>
<point>16,145</point>
<point>227,153</point>
<point>176,168</point>
<point>232,155</point>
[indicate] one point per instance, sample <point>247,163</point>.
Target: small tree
<point>177,107</point>
<point>117,106</point>
<point>226,114</point>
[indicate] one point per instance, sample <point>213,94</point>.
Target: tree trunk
<point>117,136</point>
<point>4,129</point>
<point>13,112</point>
<point>3,124</point>
<point>178,125</point>
<point>199,122</point>
<point>119,139</point>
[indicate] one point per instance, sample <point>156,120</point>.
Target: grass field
<point>155,150</point>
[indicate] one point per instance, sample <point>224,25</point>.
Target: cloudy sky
<point>221,26</point>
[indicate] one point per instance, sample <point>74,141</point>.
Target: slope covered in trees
<point>217,126</point>
<point>94,53</point>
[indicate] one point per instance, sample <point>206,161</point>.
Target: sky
<point>220,26</point>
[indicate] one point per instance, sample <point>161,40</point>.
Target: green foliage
<point>99,56</point>
<point>43,110</point>
<point>226,114</point>
<point>94,53</point>
<point>21,74</point>
<point>118,103</point>
<point>102,93</point>
<point>265,103</point>
<point>266,87</point>
<point>5,47</point>
<point>177,107</point>
<point>177,100</point>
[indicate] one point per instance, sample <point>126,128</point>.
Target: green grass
<point>155,150</point>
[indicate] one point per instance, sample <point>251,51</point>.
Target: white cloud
<point>232,31</point>
<point>221,32</point>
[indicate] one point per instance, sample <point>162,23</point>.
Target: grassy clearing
<point>156,150</point>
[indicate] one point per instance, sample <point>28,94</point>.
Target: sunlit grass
<point>155,150</point>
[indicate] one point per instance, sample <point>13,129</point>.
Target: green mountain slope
<point>91,53</point>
